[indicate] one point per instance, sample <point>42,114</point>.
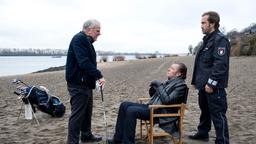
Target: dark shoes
<point>91,138</point>
<point>200,137</point>
<point>112,141</point>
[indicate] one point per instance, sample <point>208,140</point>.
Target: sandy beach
<point>128,80</point>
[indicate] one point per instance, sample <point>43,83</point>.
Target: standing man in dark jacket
<point>210,77</point>
<point>81,75</point>
<point>173,91</point>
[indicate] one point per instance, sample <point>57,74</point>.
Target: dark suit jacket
<point>173,91</point>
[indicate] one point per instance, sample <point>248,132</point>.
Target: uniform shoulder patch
<point>221,51</point>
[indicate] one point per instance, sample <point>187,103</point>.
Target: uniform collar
<point>208,36</point>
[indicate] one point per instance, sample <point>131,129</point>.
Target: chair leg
<point>142,124</point>
<point>180,139</point>
<point>151,126</point>
<point>141,129</point>
<point>150,135</point>
<point>173,139</point>
<point>181,125</point>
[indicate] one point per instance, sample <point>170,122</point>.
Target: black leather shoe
<point>91,138</point>
<point>200,137</point>
<point>112,141</point>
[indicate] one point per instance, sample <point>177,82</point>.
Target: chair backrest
<point>186,96</point>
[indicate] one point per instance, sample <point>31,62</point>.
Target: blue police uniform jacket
<point>81,65</point>
<point>211,65</point>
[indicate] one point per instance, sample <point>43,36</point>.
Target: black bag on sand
<point>40,99</point>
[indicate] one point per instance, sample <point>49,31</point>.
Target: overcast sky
<point>167,26</point>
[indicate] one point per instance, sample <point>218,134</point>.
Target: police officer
<point>210,77</point>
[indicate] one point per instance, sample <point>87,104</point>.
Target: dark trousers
<point>126,121</point>
<point>81,112</point>
<point>213,108</point>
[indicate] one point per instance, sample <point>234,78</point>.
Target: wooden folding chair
<point>151,133</point>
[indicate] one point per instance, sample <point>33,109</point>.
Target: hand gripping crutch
<point>104,114</point>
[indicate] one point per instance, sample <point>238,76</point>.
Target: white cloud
<point>127,25</point>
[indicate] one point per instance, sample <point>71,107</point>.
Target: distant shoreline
<point>51,69</point>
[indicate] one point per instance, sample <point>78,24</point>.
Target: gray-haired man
<point>81,75</point>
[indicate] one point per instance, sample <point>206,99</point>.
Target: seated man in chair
<point>173,91</point>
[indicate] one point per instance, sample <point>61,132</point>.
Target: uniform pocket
<point>207,59</point>
<point>217,100</point>
<point>207,55</point>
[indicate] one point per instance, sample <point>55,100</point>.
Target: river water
<point>13,65</point>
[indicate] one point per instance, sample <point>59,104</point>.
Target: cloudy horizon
<point>144,26</point>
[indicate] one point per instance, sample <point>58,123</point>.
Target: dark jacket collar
<point>174,80</point>
<point>208,36</point>
<point>90,39</point>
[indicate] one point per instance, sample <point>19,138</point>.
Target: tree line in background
<point>62,52</point>
<point>242,43</point>
<point>32,52</point>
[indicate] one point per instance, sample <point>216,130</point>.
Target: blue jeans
<point>81,112</point>
<point>126,121</point>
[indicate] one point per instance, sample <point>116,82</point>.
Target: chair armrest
<point>167,106</point>
<point>143,99</point>
<point>174,114</point>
